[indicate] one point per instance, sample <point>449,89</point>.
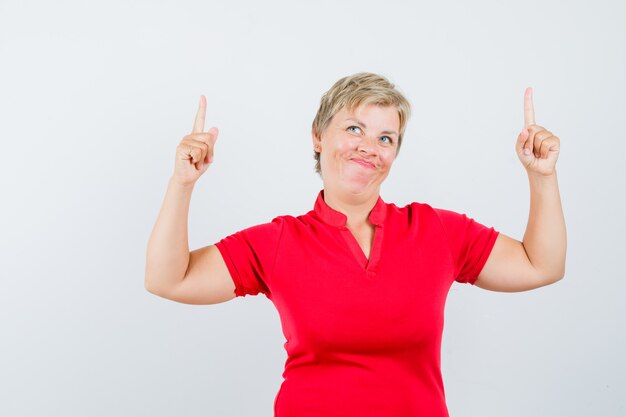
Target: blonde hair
<point>354,91</point>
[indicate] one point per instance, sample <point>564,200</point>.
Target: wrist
<point>535,176</point>
<point>180,185</point>
<point>542,181</point>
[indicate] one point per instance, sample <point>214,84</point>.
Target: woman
<point>359,284</point>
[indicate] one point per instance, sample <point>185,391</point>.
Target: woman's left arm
<point>540,259</point>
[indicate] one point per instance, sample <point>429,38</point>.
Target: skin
<point>201,276</point>
<point>353,189</point>
<point>357,150</point>
<point>172,271</point>
<point>539,259</point>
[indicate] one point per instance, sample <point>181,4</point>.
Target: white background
<point>95,97</point>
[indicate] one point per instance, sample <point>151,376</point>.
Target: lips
<point>363,163</point>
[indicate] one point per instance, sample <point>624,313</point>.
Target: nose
<point>367,145</point>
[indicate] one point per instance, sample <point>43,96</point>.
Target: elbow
<point>148,283</point>
<point>555,277</point>
<point>160,289</point>
<point>149,286</point>
<point>152,289</point>
<point>153,282</point>
<point>544,278</point>
<point>561,273</point>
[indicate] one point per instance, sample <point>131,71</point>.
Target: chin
<point>359,184</point>
<point>353,180</point>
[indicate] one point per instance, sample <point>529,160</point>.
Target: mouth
<point>363,163</point>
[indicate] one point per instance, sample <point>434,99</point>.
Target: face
<point>358,148</point>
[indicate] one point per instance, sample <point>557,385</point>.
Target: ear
<point>317,141</point>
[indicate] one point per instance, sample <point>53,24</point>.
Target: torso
<point>370,331</point>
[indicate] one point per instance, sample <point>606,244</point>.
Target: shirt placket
<point>370,267</point>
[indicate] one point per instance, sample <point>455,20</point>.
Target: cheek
<point>388,155</point>
<point>388,158</point>
<point>344,145</point>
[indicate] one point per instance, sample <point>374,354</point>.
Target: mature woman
<point>359,284</point>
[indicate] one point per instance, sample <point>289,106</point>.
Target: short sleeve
<point>249,255</point>
<point>470,244</point>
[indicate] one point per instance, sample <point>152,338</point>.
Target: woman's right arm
<point>201,276</point>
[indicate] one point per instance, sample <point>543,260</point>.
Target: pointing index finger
<point>529,109</point>
<point>198,125</point>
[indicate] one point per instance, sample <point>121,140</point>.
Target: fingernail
<point>527,151</point>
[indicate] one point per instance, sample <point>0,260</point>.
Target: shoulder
<point>412,212</point>
<point>286,221</point>
<point>291,221</point>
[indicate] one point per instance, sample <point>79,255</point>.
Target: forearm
<point>168,248</point>
<point>545,238</point>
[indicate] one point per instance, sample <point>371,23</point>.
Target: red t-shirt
<point>363,338</point>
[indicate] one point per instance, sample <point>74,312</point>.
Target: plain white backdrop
<point>94,98</point>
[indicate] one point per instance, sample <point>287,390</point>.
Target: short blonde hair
<point>353,91</point>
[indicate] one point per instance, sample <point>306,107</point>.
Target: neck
<point>356,207</point>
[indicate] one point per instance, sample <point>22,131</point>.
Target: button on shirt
<point>363,336</point>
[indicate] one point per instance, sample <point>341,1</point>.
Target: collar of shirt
<point>335,218</point>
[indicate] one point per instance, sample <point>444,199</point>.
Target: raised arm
<point>540,259</point>
<point>199,277</point>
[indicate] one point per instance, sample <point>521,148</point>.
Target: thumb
<point>214,133</point>
<point>519,144</point>
<point>521,141</point>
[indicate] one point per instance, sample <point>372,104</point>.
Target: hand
<point>194,153</point>
<point>536,147</point>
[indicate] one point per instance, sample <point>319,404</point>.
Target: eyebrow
<point>387,132</point>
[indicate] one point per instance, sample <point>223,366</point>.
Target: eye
<point>354,127</point>
<point>386,139</point>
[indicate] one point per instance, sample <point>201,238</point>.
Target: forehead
<point>372,115</point>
